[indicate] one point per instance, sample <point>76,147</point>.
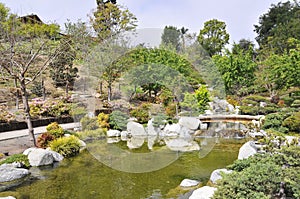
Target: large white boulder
<point>216,175</point>
<point>29,150</point>
<point>135,142</point>
<point>113,133</point>
<point>136,129</point>
<point>151,130</point>
<point>9,173</point>
<point>205,192</point>
<point>247,150</point>
<point>172,130</point>
<point>189,122</point>
<point>8,197</point>
<point>189,183</point>
<point>40,157</point>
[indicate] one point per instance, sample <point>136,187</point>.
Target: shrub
<point>44,139</point>
<point>5,115</point>
<point>66,146</point>
<point>103,120</point>
<point>293,122</point>
<point>55,129</point>
<point>296,104</point>
<point>166,96</point>
<point>141,113</point>
<point>159,120</point>
<point>92,134</point>
<point>118,120</point>
<point>21,158</point>
<point>88,123</point>
<point>171,109</point>
<point>78,112</point>
<point>287,100</point>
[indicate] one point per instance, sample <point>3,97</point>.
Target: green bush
<point>98,133</point>
<point>296,104</point>
<point>261,176</point>
<point>293,123</point>
<point>66,146</point>
<point>159,120</point>
<point>249,110</point>
<point>103,120</point>
<point>118,120</point>
<point>44,140</point>
<point>88,123</point>
<point>55,129</point>
<point>287,100</point>
<point>21,158</point>
<point>256,98</point>
<point>141,113</point>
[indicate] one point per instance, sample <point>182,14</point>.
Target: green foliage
<point>198,101</point>
<point>171,37</point>
<point>88,134</point>
<point>103,120</point>
<point>171,109</point>
<point>296,104</point>
<point>23,159</point>
<point>292,122</point>
<point>88,123</point>
<point>166,96</point>
<point>262,176</point>
<point>237,70</point>
<point>141,113</point>
<point>160,119</point>
<point>66,146</point>
<point>118,120</point>
<point>37,89</point>
<point>55,130</point>
<point>44,140</point>
<point>213,37</point>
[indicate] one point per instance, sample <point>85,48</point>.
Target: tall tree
<point>280,23</point>
<point>25,52</point>
<point>213,37</point>
<point>171,37</point>
<point>111,19</point>
<point>183,32</point>
<point>244,45</point>
<point>62,71</point>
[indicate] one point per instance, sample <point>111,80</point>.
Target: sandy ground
<point>15,145</point>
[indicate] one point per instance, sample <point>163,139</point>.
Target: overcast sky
<point>239,15</point>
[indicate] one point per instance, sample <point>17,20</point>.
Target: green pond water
<point>84,176</point>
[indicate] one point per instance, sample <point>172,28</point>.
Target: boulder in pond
<point>205,192</point>
<point>40,157</point>
<point>136,129</point>
<point>113,133</point>
<point>8,197</point>
<point>247,150</point>
<point>189,122</point>
<point>181,144</point>
<point>8,173</point>
<point>216,175</point>
<point>172,130</point>
<point>189,183</point>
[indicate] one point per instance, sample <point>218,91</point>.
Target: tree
<point>213,37</point>
<point>244,45</point>
<point>62,71</point>
<point>280,23</point>
<point>111,19</point>
<point>237,70</point>
<point>25,52</point>
<point>183,32</point>
<point>171,37</point>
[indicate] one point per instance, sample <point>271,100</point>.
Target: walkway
<point>37,130</point>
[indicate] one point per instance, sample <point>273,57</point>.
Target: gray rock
<point>56,156</point>
<point>189,122</point>
<point>216,175</point>
<point>205,192</point>
<point>40,157</point>
<point>124,135</point>
<point>203,126</point>
<point>172,130</point>
<point>136,129</point>
<point>189,183</point>
<point>247,150</point>
<point>29,150</point>
<point>135,142</point>
<point>151,130</point>
<point>10,173</point>
<point>113,133</point>
<point>113,140</point>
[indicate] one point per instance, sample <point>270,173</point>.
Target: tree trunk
<point>17,94</point>
<point>27,111</point>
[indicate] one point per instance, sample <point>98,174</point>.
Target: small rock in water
<point>205,192</point>
<point>216,175</point>
<point>189,183</point>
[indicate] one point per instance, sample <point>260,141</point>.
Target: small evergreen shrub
<point>44,139</point>
<point>160,119</point>
<point>118,120</point>
<point>88,123</point>
<point>103,120</point>
<point>55,129</point>
<point>292,123</point>
<point>141,113</point>
<point>92,134</point>
<point>23,159</point>
<point>66,146</point>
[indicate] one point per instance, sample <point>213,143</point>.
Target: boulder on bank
<point>205,192</point>
<point>216,175</point>
<point>113,133</point>
<point>172,130</point>
<point>181,144</point>
<point>247,150</point>
<point>136,129</point>
<point>41,157</point>
<point>191,123</point>
<point>8,173</point>
<point>189,183</point>
<point>8,197</point>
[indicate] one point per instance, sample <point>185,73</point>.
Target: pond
<point>84,176</point>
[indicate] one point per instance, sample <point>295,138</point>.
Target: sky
<point>239,15</point>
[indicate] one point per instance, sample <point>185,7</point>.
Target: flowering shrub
<point>55,130</point>
<point>5,115</point>
<point>44,139</point>
<point>49,108</point>
<point>103,120</point>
